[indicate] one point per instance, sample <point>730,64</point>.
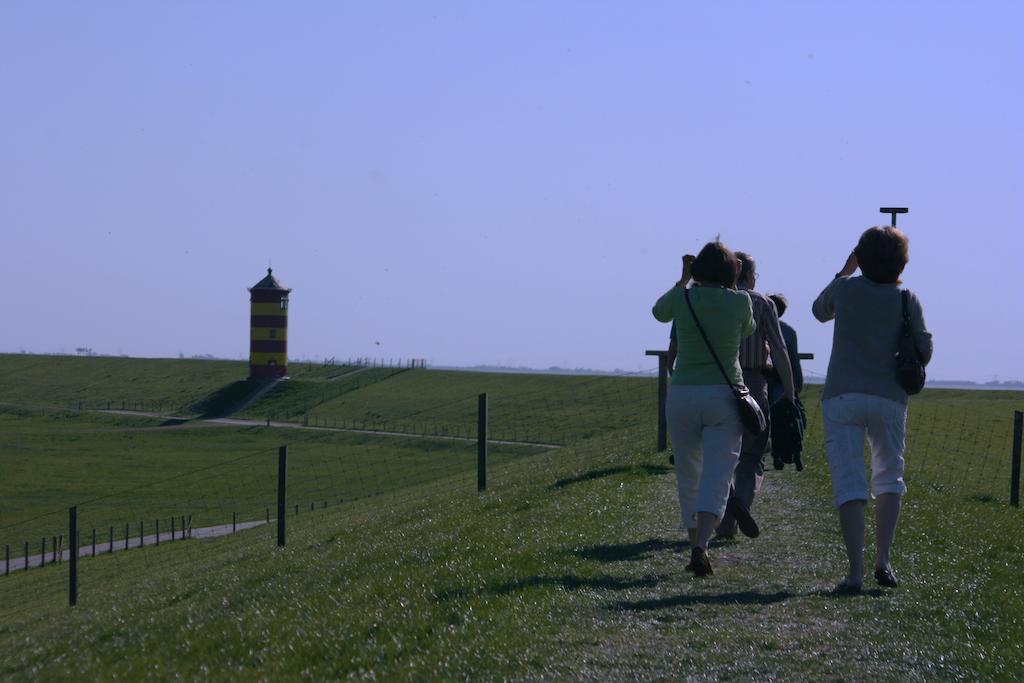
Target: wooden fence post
<point>481,442</point>
<point>662,397</point>
<point>1018,427</point>
<point>73,539</point>
<point>282,481</point>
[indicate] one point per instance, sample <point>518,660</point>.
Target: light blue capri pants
<point>706,432</point>
<point>848,419</point>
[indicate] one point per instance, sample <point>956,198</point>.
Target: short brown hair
<point>715,264</point>
<point>882,254</point>
<point>780,303</point>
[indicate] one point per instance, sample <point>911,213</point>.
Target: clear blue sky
<point>506,183</point>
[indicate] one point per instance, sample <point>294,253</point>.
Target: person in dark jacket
<point>788,420</point>
<point>775,390</point>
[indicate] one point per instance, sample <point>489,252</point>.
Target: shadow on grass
<point>566,582</point>
<point>642,470</point>
<point>741,598</point>
<point>837,594</point>
<point>622,552</point>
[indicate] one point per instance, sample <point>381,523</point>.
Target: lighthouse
<point>268,337</point>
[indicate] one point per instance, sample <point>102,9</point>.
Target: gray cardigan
<point>868,319</point>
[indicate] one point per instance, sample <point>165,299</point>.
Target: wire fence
<point>391,434</point>
<point>964,442</point>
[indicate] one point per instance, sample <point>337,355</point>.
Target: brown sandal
<point>886,577</point>
<point>700,564</point>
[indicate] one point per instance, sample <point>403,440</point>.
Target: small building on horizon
<point>268,322</point>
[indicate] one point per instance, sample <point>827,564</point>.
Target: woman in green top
<point>701,411</point>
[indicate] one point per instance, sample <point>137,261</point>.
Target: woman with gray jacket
<point>863,397</point>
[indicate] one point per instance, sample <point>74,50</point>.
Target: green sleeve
<point>665,308</point>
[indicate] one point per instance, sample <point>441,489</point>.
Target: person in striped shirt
<point>759,353</point>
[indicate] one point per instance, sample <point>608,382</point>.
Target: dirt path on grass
<point>107,546</point>
<point>769,612</point>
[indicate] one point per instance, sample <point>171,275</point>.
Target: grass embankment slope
<point>171,385</point>
<point>569,566</point>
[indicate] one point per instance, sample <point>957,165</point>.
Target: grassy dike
<point>569,567</point>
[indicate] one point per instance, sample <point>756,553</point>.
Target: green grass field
<point>569,566</point>
<point>541,408</point>
<point>120,469</point>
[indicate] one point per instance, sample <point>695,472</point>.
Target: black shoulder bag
<point>750,413</point>
<point>909,368</point>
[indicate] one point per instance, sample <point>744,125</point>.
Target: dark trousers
<point>750,468</point>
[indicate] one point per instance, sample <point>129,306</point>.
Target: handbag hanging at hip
<point>751,415</point>
<point>909,369</point>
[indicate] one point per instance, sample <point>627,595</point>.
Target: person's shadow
<point>626,552</point>
<point>739,598</point>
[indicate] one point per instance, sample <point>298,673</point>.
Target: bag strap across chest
<point>700,328</point>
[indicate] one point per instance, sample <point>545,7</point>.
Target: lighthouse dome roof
<point>270,282</point>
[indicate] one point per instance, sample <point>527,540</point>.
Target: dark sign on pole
<point>892,211</point>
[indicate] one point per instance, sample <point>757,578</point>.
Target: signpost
<point>893,210</point>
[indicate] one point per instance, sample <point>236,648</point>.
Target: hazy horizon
<point>810,376</point>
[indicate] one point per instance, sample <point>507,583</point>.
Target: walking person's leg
<point>887,514</point>
<point>750,467</point>
<point>682,412</point>
<point>851,525</point>
<point>844,448</point>
<point>886,432</point>
<point>722,438</point>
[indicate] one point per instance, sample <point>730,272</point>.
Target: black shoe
<point>846,588</point>
<point>700,563</point>
<point>747,524</point>
<point>886,577</point>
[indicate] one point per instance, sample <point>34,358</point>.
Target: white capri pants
<point>706,432</point>
<point>848,417</point>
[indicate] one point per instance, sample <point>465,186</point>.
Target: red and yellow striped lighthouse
<point>268,339</point>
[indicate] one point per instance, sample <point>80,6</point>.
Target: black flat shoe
<point>700,562</point>
<point>846,588</point>
<point>886,577</point>
<point>744,520</point>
